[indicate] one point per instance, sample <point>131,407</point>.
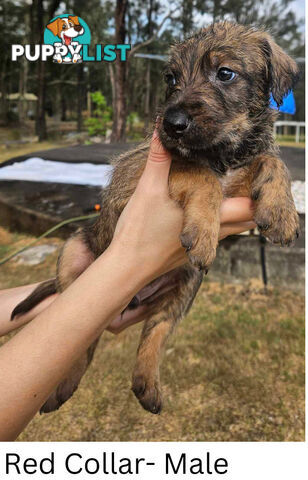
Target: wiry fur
<point>228,150</point>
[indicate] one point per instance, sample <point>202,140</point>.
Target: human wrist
<point>142,265</point>
<point>132,269</point>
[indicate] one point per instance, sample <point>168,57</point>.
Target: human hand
<point>148,230</point>
<point>150,225</point>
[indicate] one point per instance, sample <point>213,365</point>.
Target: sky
<point>299,8</point>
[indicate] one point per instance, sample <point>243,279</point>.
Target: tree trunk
<point>187,16</point>
<point>113,84</point>
<point>3,99</point>
<point>21,100</point>
<point>37,11</point>
<point>119,112</point>
<point>63,107</point>
<point>40,121</point>
<point>147,96</point>
<point>80,92</point>
<point>23,73</point>
<point>216,8</point>
<point>148,73</point>
<point>40,124</point>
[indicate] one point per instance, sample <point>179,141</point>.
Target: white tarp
<point>39,170</point>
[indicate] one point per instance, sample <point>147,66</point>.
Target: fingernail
<point>155,134</point>
<point>157,121</point>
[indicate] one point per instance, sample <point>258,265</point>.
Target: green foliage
<point>97,125</point>
<point>132,119</point>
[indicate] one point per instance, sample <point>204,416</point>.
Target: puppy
<point>66,29</point>
<point>217,124</point>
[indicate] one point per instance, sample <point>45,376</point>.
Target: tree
<point>40,119</point>
<point>39,19</point>
<point>121,73</point>
<point>12,30</point>
<point>119,104</point>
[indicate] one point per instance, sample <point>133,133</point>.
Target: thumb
<point>158,164</point>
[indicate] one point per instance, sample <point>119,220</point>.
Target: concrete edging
<point>238,258</point>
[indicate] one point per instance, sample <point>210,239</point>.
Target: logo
<point>67,40</point>
<point>67,33</point>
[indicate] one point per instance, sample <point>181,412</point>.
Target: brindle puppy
<point>218,126</point>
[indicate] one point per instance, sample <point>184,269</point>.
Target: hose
<point>56,227</point>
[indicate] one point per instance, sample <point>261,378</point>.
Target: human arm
<point>39,356</point>
<point>235,216</point>
<point>146,245</point>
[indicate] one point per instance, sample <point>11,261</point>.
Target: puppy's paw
<point>200,244</point>
<point>279,223</point>
<point>148,392</point>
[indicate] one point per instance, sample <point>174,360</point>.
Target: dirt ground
<point>234,370</point>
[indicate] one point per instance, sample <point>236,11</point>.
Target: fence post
<point>297,133</point>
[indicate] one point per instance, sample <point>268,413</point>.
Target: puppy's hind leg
<point>75,258</point>
<point>157,328</point>
<point>69,385</point>
<point>73,261</point>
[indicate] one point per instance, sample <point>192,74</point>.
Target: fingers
<point>157,168</point>
<point>236,210</point>
<point>235,228</point>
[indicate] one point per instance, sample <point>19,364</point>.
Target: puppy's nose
<point>77,28</point>
<point>176,121</point>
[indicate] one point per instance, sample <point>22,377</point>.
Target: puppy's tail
<point>42,291</point>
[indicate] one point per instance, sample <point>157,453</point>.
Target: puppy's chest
<point>234,182</point>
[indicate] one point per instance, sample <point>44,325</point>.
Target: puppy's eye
<point>170,79</point>
<point>226,75</point>
<point>70,24</point>
<point>64,27</point>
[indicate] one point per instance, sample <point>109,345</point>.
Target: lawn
<point>234,370</point>
<point>14,150</point>
<point>25,149</point>
<point>289,141</point>
<point>10,148</point>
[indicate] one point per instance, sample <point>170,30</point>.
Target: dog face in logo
<point>66,29</point>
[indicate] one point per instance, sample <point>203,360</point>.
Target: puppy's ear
<point>54,27</point>
<point>74,19</point>
<point>282,69</point>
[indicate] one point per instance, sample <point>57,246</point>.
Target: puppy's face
<point>218,87</point>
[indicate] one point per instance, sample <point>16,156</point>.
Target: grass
<point>24,149</point>
<point>289,141</point>
<point>136,134</point>
<point>234,371</point>
<point>10,150</point>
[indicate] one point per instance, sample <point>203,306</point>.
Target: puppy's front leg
<point>275,212</point>
<point>200,195</point>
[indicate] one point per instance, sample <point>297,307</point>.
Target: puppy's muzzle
<point>176,122</point>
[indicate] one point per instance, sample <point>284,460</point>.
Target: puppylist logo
<point>67,40</point>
